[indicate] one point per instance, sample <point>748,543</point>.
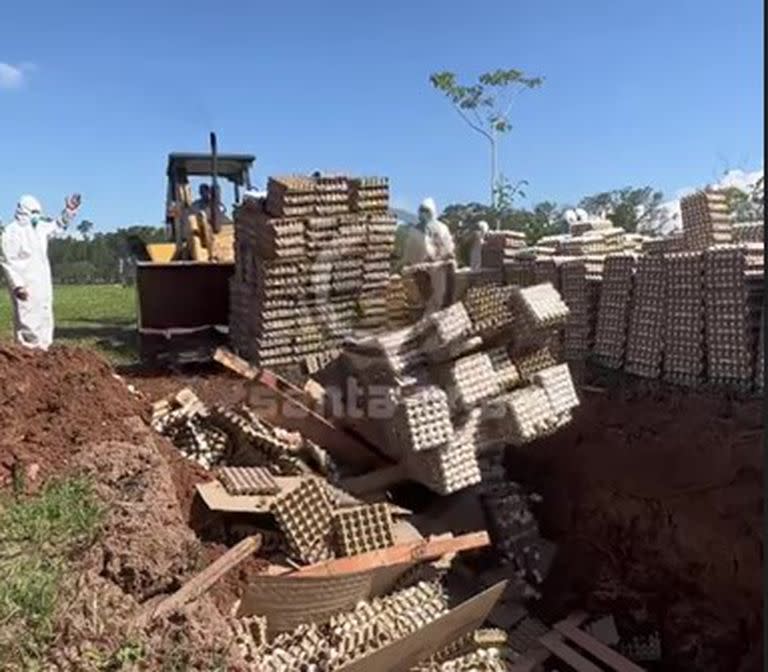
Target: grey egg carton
<point>470,380</point>
<point>507,374</point>
<point>540,306</point>
<point>189,429</point>
<point>362,528</point>
<point>642,648</point>
<point>447,469</point>
<point>525,415</point>
<point>252,443</point>
<point>489,307</point>
<point>304,515</point>
<point>557,383</point>
<point>423,419</point>
<point>530,362</point>
<point>448,325</point>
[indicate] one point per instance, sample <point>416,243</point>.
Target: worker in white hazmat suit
<point>24,259</point>
<point>430,240</point>
<point>476,252</point>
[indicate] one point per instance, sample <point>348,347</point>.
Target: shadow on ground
<point>115,341</point>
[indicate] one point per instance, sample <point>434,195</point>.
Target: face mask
<point>34,220</point>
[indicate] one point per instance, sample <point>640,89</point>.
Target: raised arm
<point>71,205</point>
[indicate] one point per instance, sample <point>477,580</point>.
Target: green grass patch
<point>40,537</point>
<point>102,317</point>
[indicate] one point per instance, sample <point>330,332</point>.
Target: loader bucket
<point>183,310</point>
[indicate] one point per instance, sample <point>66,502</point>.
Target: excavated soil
<point>655,496</point>
<point>53,402</point>
<point>144,553</point>
<point>212,383</point>
<point>63,413</point>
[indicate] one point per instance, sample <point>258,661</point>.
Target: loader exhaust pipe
<point>214,185</point>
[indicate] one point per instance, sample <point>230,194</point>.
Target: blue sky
<point>664,92</point>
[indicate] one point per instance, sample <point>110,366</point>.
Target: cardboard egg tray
<point>760,364</point>
<point>248,481</point>
<point>520,271</point>
<point>546,271</point>
<point>447,469</point>
<point>706,220</point>
<point>488,307</point>
<point>614,310</point>
<point>645,339</point>
<point>331,183</point>
<point>666,245</point>
<point>575,292</point>
<point>470,380</point>
<point>528,363</point>
<point>423,419</point>
<point>360,529</point>
<point>448,325</point>
<point>732,298</point>
<point>540,306</point>
<point>507,374</point>
<point>684,322</point>
<point>305,516</point>
<point>558,385</point>
<point>749,232</point>
<point>526,414</point>
<point>505,240</point>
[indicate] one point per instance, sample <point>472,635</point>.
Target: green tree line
<point>101,258</point>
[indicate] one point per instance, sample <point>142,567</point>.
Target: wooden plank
<point>405,653</point>
<point>287,407</point>
<point>417,551</point>
<point>594,646</point>
<point>202,581</point>
<point>235,363</point>
<point>554,642</point>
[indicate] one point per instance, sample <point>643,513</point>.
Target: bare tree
<point>486,106</point>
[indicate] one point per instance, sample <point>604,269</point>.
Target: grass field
<point>98,316</point>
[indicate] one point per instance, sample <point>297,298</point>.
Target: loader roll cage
<point>235,168</point>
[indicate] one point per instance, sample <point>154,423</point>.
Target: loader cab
<point>184,171</point>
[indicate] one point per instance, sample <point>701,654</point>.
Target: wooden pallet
<point>560,641</point>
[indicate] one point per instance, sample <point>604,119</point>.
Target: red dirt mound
<point>51,402</point>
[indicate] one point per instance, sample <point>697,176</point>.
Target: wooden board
<point>402,655</point>
<point>205,579</point>
<point>417,551</point>
<point>595,647</point>
<point>554,642</point>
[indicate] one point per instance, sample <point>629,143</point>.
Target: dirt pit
<point>655,496</point>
